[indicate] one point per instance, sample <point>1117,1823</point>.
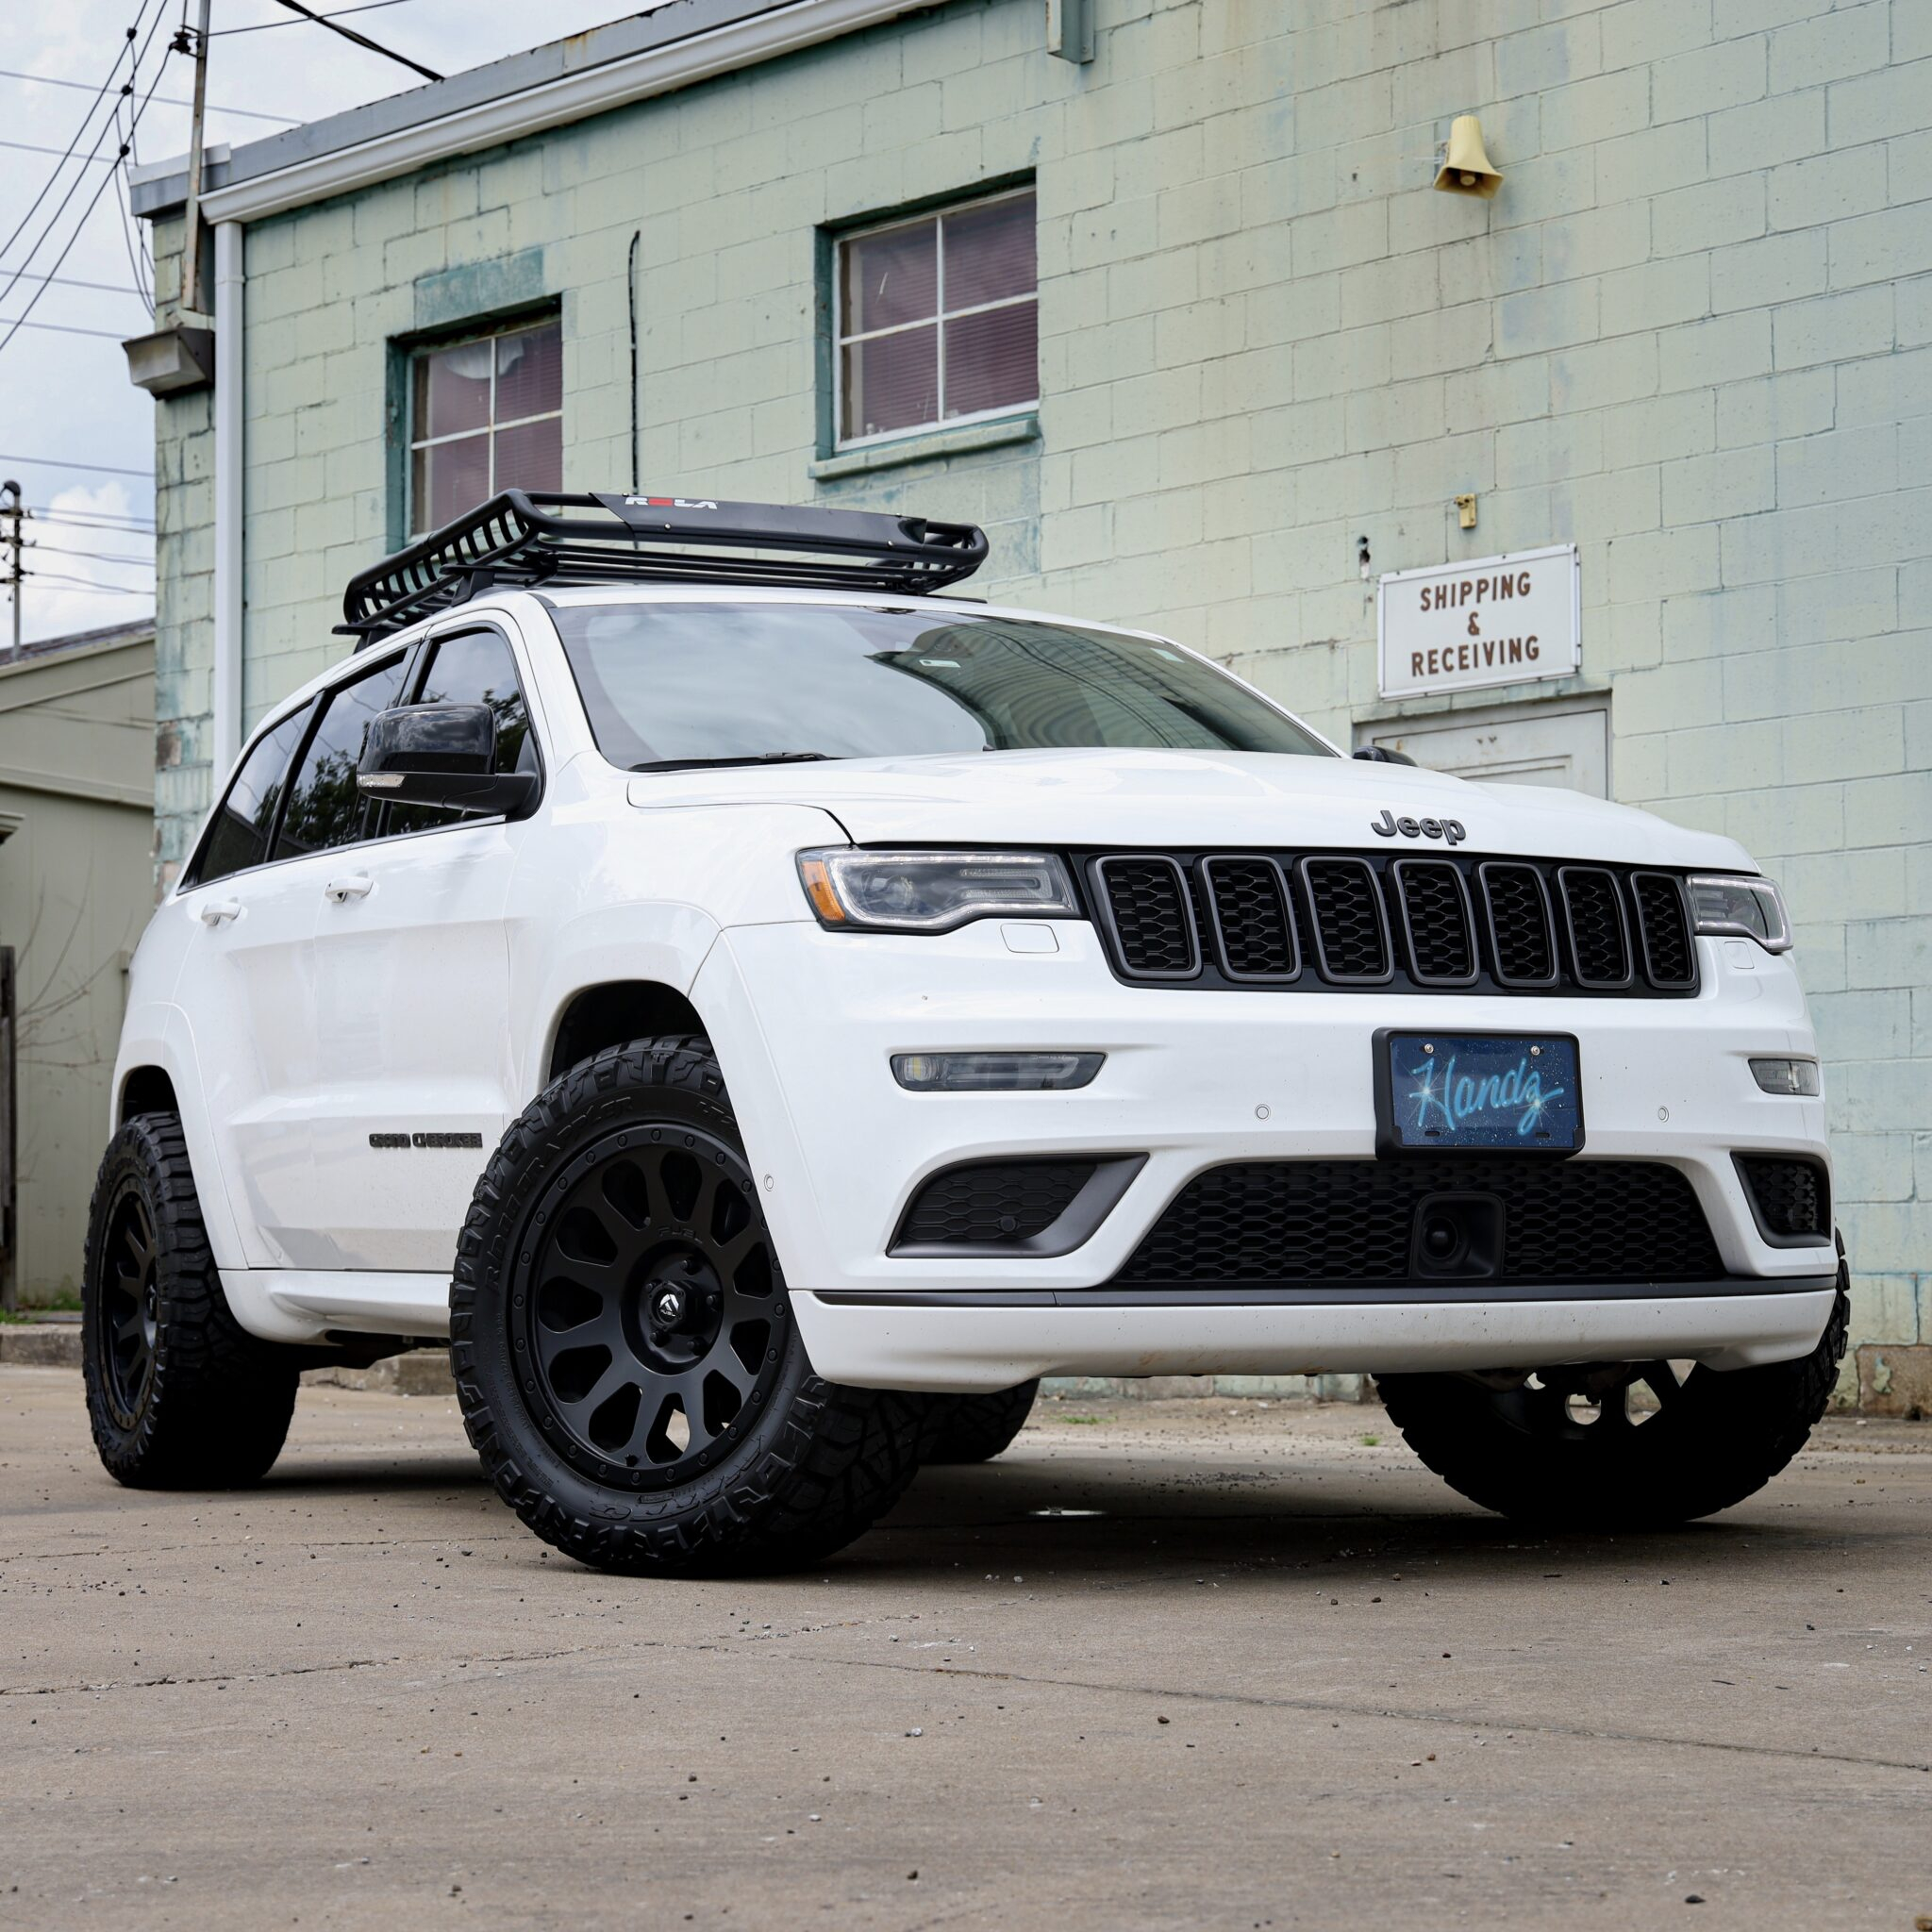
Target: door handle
<point>219,912</point>
<point>357,886</point>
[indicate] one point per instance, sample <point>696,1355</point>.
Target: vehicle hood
<point>1123,799</point>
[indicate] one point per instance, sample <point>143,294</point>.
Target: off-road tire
<point>975,1428</point>
<point>179,1395</point>
<point>1718,1440</point>
<point>807,1466</point>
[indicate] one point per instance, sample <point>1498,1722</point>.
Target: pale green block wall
<point>1693,334</point>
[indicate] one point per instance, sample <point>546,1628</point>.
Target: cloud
<point>73,538</point>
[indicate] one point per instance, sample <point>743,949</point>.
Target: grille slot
<point>1790,1198</point>
<point>1151,911</point>
<point>1253,919</point>
<point>1349,1220</point>
<point>1593,917</point>
<point>1349,920</point>
<point>1522,938</point>
<point>993,1203</point>
<point>1412,923</point>
<point>1436,921</point>
<point>1663,929</point>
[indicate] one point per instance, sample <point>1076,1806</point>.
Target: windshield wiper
<point>745,757</point>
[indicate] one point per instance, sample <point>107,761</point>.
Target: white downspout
<point>230,410</point>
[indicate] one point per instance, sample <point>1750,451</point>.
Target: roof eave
<point>675,46</point>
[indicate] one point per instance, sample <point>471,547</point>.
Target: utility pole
<point>194,40</point>
<point>13,515</point>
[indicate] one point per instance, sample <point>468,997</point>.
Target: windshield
<point>692,683</point>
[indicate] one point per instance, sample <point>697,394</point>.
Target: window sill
<point>927,446</point>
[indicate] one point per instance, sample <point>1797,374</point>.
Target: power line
<point>43,576</point>
<point>81,175</point>
<point>87,212</point>
<point>165,100</point>
<point>62,463</point>
<point>28,147</point>
<point>104,522</point>
<point>120,53</point>
<point>349,33</point>
<point>260,26</point>
<point>58,328</point>
<point>94,556</point>
<point>69,282</point>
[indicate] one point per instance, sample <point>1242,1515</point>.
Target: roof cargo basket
<point>540,537</point>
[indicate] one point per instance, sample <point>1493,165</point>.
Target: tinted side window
<point>238,836</point>
<point>476,668</point>
<point>324,807</point>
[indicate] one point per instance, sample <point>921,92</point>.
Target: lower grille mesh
<point>996,1204</point>
<point>1350,1221</point>
<point>1792,1196</point>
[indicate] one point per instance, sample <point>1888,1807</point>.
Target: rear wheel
<point>623,1341</point>
<point>1618,1444</point>
<point>975,1428</point>
<point>178,1394</point>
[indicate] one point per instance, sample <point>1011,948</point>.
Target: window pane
<point>452,390</point>
<point>737,680</point>
<point>890,277</point>
<point>324,807</point>
<point>529,372</point>
<point>238,836</point>
<point>531,456</point>
<point>474,669</point>
<point>989,252</point>
<point>892,382</point>
<point>450,477</point>
<point>992,360</point>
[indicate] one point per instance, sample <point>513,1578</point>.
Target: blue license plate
<point>1495,1093</point>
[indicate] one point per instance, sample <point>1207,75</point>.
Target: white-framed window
<point>937,320</point>
<point>485,414</point>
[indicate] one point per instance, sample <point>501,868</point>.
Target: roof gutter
<point>573,97</point>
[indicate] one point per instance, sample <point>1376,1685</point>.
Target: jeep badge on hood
<point>1388,825</point>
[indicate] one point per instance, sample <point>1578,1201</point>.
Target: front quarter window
<point>245,819</point>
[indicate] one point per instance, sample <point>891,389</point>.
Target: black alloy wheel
<point>178,1394</point>
<point>645,1304</point>
<point>130,1315</point>
<point>626,1353</point>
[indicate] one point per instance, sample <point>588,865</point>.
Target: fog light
<point>1787,1076</point>
<point>989,1073</point>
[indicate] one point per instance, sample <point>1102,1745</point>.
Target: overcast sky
<point>65,399</point>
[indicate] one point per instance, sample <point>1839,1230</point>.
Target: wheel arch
<point>612,1012</point>
<point>146,1089</point>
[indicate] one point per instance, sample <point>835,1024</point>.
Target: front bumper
<point>806,1021</point>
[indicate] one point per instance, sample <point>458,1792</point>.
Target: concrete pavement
<point>1166,1664</point>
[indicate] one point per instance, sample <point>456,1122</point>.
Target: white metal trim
<point>576,97</point>
<point>230,450</point>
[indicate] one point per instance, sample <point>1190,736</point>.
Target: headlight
<point>932,892</point>
<point>1744,909</point>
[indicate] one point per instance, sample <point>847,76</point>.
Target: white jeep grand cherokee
<point>766,1014</point>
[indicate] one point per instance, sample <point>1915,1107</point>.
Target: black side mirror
<point>440,755</point>
<point>1381,755</point>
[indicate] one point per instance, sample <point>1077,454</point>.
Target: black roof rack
<point>522,537</point>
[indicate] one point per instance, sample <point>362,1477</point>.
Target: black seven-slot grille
<point>1314,923</point>
<point>1269,1223</point>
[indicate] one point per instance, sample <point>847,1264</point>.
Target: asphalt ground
<point>1165,1664</point>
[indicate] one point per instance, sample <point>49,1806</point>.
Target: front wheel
<point>1618,1445</point>
<point>623,1342</point>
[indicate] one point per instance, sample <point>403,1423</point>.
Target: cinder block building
<point>1161,293</point>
